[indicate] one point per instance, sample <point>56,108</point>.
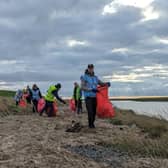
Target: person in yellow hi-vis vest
<point>52,93</point>
<point>77,96</point>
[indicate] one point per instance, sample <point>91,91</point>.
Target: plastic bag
<point>104,106</point>
<point>72,105</point>
<point>41,104</point>
<point>22,103</point>
<point>55,108</point>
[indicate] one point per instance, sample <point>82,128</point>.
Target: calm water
<point>158,109</point>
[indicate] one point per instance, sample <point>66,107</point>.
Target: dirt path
<point>31,141</point>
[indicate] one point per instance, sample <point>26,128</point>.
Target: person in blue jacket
<point>18,96</point>
<point>89,83</point>
<point>36,95</point>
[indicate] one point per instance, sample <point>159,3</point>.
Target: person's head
<point>34,86</point>
<point>91,68</point>
<point>58,86</point>
<point>75,84</point>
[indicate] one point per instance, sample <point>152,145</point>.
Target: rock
<point>75,127</point>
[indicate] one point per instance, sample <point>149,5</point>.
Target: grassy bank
<point>137,135</point>
<point>7,93</point>
<point>151,141</point>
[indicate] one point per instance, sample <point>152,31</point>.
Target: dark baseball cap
<point>90,66</point>
<point>58,85</point>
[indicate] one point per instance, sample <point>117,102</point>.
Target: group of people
<point>89,83</point>
<point>32,96</point>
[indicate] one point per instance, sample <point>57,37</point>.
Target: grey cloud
<point>29,27</point>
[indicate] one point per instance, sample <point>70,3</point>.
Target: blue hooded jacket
<point>91,82</point>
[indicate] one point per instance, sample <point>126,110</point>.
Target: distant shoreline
<point>134,98</point>
<point>139,98</point>
<point>9,93</point>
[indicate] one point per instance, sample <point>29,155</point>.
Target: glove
<point>95,90</point>
<point>108,84</point>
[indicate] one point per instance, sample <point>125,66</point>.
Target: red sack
<point>22,103</point>
<point>72,105</point>
<point>104,106</point>
<point>25,95</point>
<point>41,104</point>
<point>55,108</point>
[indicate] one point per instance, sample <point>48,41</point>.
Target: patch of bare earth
<point>32,141</point>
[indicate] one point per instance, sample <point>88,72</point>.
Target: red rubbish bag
<point>104,106</point>
<point>72,105</point>
<point>55,108</point>
<point>41,104</point>
<point>22,103</point>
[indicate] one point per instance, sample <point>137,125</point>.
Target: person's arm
<point>40,94</point>
<point>101,83</point>
<point>55,93</point>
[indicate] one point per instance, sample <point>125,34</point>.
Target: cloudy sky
<point>49,41</point>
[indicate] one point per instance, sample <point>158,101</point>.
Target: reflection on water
<point>159,109</point>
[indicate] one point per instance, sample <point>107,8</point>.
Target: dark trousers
<point>35,103</point>
<point>91,104</point>
<point>78,105</point>
<point>28,99</point>
<point>17,103</point>
<point>48,109</point>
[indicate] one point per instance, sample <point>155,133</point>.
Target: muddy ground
<point>32,141</point>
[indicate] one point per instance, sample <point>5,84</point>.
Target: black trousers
<point>28,99</point>
<point>35,103</point>
<point>91,104</point>
<point>78,104</point>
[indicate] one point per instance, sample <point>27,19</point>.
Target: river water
<point>157,109</point>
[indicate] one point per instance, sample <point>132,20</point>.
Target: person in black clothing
<point>29,95</point>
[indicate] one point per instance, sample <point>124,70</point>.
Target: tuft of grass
<point>116,121</point>
<point>151,141</point>
<point>8,107</point>
<point>151,125</point>
<point>142,148</point>
<point>156,131</point>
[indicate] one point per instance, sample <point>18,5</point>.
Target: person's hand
<point>108,84</point>
<point>95,90</point>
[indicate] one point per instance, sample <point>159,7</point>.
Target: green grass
<point>152,140</point>
<point>139,147</point>
<point>7,93</point>
<point>153,126</point>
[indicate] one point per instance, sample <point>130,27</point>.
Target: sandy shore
<point>31,141</point>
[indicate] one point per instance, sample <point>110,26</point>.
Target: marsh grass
<point>153,126</point>
<point>153,144</point>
